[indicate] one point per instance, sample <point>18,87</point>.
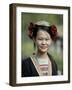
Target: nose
<point>43,42</point>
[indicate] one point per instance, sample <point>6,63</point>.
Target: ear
<point>34,40</point>
<point>34,43</point>
<point>51,42</point>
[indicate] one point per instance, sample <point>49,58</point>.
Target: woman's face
<point>43,41</point>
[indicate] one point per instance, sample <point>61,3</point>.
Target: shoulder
<point>26,67</point>
<point>54,65</point>
<point>51,58</point>
<point>26,61</point>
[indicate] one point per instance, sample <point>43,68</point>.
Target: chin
<point>43,51</point>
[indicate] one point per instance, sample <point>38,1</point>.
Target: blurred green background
<point>56,49</point>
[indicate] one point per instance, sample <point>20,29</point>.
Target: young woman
<point>40,63</point>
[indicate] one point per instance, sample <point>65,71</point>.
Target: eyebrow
<point>44,37</point>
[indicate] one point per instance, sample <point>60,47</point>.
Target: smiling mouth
<point>43,47</point>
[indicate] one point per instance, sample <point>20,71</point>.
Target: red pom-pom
<point>53,32</point>
<point>30,28</point>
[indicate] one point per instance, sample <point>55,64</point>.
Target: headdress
<point>52,30</point>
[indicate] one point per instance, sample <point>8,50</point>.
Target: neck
<point>42,55</point>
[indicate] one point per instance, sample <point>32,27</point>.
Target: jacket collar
<point>37,66</point>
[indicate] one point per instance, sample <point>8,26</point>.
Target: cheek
<point>49,43</point>
<point>38,43</point>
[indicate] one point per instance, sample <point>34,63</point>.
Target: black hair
<point>40,27</point>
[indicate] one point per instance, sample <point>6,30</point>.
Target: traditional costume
<point>31,67</point>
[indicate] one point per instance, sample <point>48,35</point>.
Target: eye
<point>47,39</point>
<point>40,38</point>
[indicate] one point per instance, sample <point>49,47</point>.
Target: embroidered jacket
<point>30,67</point>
